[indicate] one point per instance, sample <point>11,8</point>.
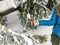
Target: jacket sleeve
<point>50,22</point>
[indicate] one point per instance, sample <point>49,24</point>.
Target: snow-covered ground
<point>14,23</point>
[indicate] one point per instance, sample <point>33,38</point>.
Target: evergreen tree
<point>32,10</point>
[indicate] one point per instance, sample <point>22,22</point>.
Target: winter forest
<point>19,22</point>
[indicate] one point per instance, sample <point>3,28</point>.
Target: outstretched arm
<point>50,22</point>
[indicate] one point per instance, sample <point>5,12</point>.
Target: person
<point>55,21</point>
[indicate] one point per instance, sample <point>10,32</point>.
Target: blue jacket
<point>55,20</point>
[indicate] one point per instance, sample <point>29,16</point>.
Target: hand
<point>36,23</point>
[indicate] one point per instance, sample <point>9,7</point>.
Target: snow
<point>14,23</point>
